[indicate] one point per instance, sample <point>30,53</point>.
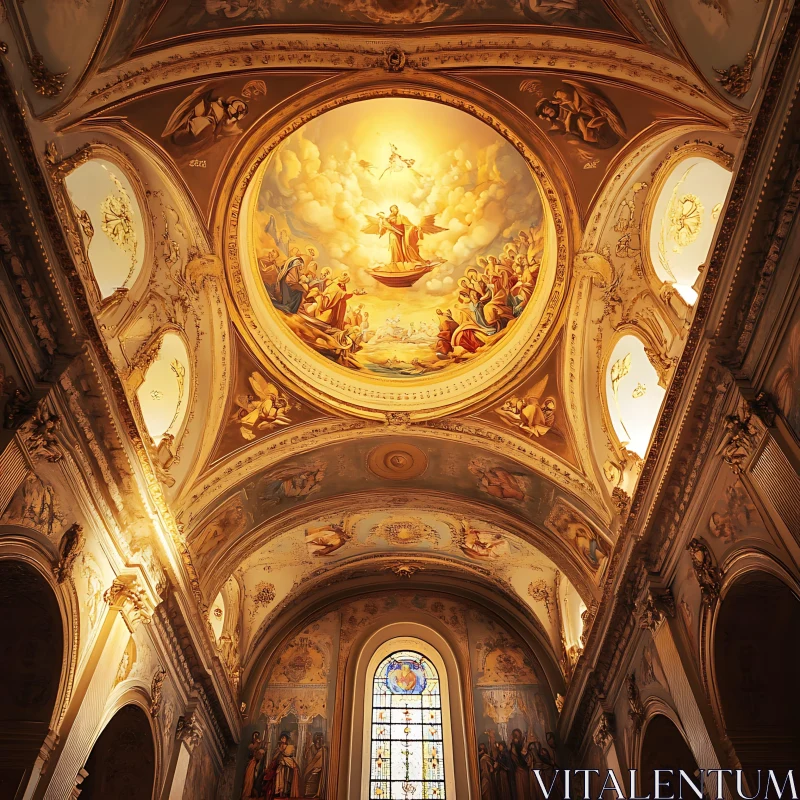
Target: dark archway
<point>756,653</point>
<point>123,760</point>
<point>31,657</point>
<point>664,747</point>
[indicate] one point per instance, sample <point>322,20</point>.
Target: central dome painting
<point>398,236</point>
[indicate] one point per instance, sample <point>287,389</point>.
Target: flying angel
<point>584,113</point>
<point>397,163</point>
<point>262,410</point>
<point>367,166</point>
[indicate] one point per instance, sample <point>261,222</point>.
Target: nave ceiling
<point>578,160</point>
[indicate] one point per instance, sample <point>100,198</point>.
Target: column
<point>127,609</point>
<point>658,617</point>
<point>188,736</point>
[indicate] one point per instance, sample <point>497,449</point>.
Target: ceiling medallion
<point>397,461</point>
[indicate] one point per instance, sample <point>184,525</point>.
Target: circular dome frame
<point>316,378</point>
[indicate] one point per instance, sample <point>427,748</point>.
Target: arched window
<point>685,215</point>
<point>110,218</point>
<point>164,394</point>
<point>407,736</point>
<point>633,394</point>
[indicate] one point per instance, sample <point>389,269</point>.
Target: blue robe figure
<point>287,293</point>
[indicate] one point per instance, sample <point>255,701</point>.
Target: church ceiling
<point>391,281</point>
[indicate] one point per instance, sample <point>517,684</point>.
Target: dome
<point>397,252</point>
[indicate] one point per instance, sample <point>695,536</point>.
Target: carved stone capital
<point>39,434</point>
<point>705,570</point>
<point>648,615</point>
<point>126,594</point>
<point>189,731</point>
<point>654,608</point>
<point>741,437</point>
<point>604,733</point>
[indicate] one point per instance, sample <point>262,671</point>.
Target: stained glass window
<point>407,753</point>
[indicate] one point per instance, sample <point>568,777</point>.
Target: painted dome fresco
<point>396,238</point>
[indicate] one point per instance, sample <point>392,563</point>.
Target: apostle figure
<point>288,291</point>
<point>486,769</point>
<point>315,770</point>
<point>518,751</point>
<point>444,338</point>
<point>331,307</point>
<point>504,772</point>
<point>282,774</point>
<point>256,752</point>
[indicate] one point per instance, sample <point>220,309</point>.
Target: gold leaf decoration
<point>685,220</point>
<point>116,221</point>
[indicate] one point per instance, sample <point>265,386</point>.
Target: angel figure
<point>404,237</point>
<point>290,482</point>
<point>203,117</point>
<point>326,539</point>
<point>584,114</point>
<point>262,410</point>
<point>482,545</point>
<point>398,164</point>
<point>534,415</point>
<point>498,482</point>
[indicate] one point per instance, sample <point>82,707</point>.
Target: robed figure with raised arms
<point>404,237</point>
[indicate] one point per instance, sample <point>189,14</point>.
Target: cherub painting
<point>583,114</point>
<point>533,413</point>
<point>326,539</point>
<point>203,117</point>
<point>228,522</point>
<point>289,482</point>
<point>483,545</point>
<point>571,526</point>
<point>266,408</point>
<point>498,482</point>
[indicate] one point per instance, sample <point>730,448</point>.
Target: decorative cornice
<point>51,228</point>
<point>424,51</point>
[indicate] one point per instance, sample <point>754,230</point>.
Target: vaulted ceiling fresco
<point>392,289</point>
